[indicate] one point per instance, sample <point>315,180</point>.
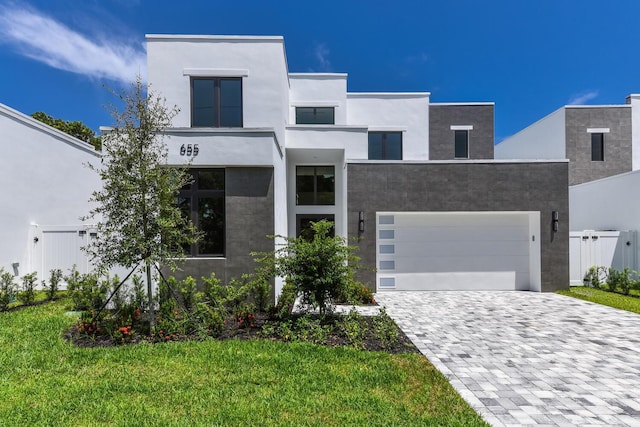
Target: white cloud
<point>321,52</point>
<point>582,97</point>
<point>419,58</point>
<point>46,40</point>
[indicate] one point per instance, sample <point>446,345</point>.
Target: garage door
<point>458,250</point>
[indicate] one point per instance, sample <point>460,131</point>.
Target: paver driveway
<point>528,358</point>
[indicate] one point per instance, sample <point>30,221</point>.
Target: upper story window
<point>315,115</point>
<point>597,147</point>
<point>385,145</point>
<point>315,185</point>
<point>203,202</point>
<point>461,142</point>
<point>216,102</point>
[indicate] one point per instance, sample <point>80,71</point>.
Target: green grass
<point>45,380</point>
<point>599,296</point>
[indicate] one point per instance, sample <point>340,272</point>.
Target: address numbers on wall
<point>189,150</point>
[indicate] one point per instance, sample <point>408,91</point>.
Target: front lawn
<point>628,303</point>
<point>45,380</point>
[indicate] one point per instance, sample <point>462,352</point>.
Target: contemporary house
<point>598,140</point>
<point>412,183</point>
<point>45,190</point>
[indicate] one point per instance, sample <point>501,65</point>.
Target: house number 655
<point>189,150</point>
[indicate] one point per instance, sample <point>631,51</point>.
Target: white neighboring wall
<point>605,204</point>
<point>545,139</point>
<point>45,185</point>
<point>634,100</point>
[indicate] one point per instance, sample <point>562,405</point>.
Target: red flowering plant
<point>245,316</point>
<point>123,335</point>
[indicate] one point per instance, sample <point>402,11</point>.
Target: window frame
<point>383,148</point>
<point>216,101</point>
<point>315,185</point>
<point>457,132</point>
<point>193,193</point>
<point>599,143</point>
<point>333,115</point>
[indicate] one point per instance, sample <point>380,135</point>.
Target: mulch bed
<point>232,330</point>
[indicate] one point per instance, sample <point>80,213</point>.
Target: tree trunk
<point>152,316</point>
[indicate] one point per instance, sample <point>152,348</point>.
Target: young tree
<point>139,220</point>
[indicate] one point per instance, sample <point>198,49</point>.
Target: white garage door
<point>458,250</point>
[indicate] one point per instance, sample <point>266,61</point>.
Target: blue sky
<point>529,57</point>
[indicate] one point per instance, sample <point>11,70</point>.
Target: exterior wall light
<point>361,221</point>
<point>554,220</point>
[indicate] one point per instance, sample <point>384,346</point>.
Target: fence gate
<point>587,248</point>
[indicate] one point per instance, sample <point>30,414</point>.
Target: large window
<point>315,185</point>
<point>315,115</point>
<point>216,102</point>
<point>597,147</point>
<point>461,149</point>
<point>203,202</point>
<point>385,145</point>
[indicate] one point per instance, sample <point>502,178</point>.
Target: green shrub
<point>310,329</point>
<point>27,291</point>
<point>221,297</point>
<point>319,268</point>
<point>594,276</point>
<point>385,329</point>
<point>355,329</point>
<point>614,277</point>
<point>54,283</point>
<point>7,289</point>
<point>620,280</point>
<point>86,290</point>
<point>286,301</point>
<point>355,293</point>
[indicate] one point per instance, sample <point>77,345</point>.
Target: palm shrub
<point>7,289</point>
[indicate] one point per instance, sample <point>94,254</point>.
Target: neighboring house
<point>604,220</point>
<point>412,183</point>
<point>598,140</point>
<point>45,191</point>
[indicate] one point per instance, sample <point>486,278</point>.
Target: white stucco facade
<point>46,187</point>
<point>269,136</point>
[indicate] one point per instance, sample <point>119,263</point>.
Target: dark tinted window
<point>216,102</point>
<point>385,145</point>
<point>204,111</point>
<point>461,144</point>
<point>315,115</point>
<point>315,185</point>
<point>597,147</point>
<point>203,202</point>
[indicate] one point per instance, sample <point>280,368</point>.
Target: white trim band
<point>214,72</point>
<point>461,127</point>
<point>598,130</point>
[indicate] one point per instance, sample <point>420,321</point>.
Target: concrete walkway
<point>524,358</point>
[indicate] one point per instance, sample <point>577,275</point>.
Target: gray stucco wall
<point>464,186</point>
<point>248,220</point>
<point>441,137</point>
<point>617,143</point>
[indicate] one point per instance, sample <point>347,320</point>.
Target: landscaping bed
<point>372,333</point>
